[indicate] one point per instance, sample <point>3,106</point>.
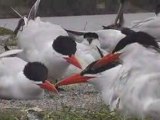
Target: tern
<point>134,88</point>
<point>22,80</point>
<point>46,43</point>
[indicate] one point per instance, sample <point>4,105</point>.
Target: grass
<point>5,31</point>
<point>66,113</point>
<point>12,114</point>
<point>11,40</point>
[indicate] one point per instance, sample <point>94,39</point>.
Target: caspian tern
<point>47,43</point>
<point>134,87</point>
<point>137,82</point>
<point>22,80</point>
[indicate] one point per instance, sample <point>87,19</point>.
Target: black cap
<point>36,71</point>
<point>137,37</point>
<point>64,45</point>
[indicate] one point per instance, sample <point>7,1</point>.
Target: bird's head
<point>38,74</point>
<point>90,37</point>
<point>67,47</point>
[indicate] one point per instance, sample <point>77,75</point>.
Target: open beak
<point>76,78</point>
<point>112,57</point>
<point>48,86</point>
<point>73,60</point>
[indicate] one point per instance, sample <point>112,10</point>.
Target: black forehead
<point>90,35</point>
<point>136,37</point>
<point>64,45</point>
<point>90,69</point>
<point>36,71</point>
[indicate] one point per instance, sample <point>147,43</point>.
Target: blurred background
<point>74,7</point>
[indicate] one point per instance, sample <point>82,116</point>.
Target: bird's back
<point>150,26</point>
<point>139,80</point>
<point>9,65</point>
<point>36,34</point>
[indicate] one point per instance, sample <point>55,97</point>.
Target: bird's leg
<point>6,48</point>
<point>120,19</point>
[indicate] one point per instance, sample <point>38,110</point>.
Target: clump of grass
<point>5,31</point>
<point>11,40</point>
<point>67,113</point>
<point>12,114</point>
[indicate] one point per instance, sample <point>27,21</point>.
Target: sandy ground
<point>75,96</point>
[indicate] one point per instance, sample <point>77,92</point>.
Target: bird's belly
<point>15,90</point>
<point>140,93</point>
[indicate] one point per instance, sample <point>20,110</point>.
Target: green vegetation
<point>66,113</point>
<point>11,40</point>
<point>5,31</point>
<point>12,114</point>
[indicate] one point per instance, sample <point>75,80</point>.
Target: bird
<point>22,80</point>
<point>46,43</point>
<point>138,23</point>
<point>134,88</point>
<point>87,40</point>
<point>149,25</point>
<point>104,39</point>
<point>138,81</point>
<point>109,33</point>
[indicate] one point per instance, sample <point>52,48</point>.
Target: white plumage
<point>20,80</point>
<point>36,40</point>
<point>132,87</point>
<point>138,81</point>
<point>14,85</point>
<point>107,39</point>
<point>150,25</point>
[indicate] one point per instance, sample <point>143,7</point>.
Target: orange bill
<point>107,59</point>
<point>48,86</point>
<point>73,60</point>
<point>76,78</point>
